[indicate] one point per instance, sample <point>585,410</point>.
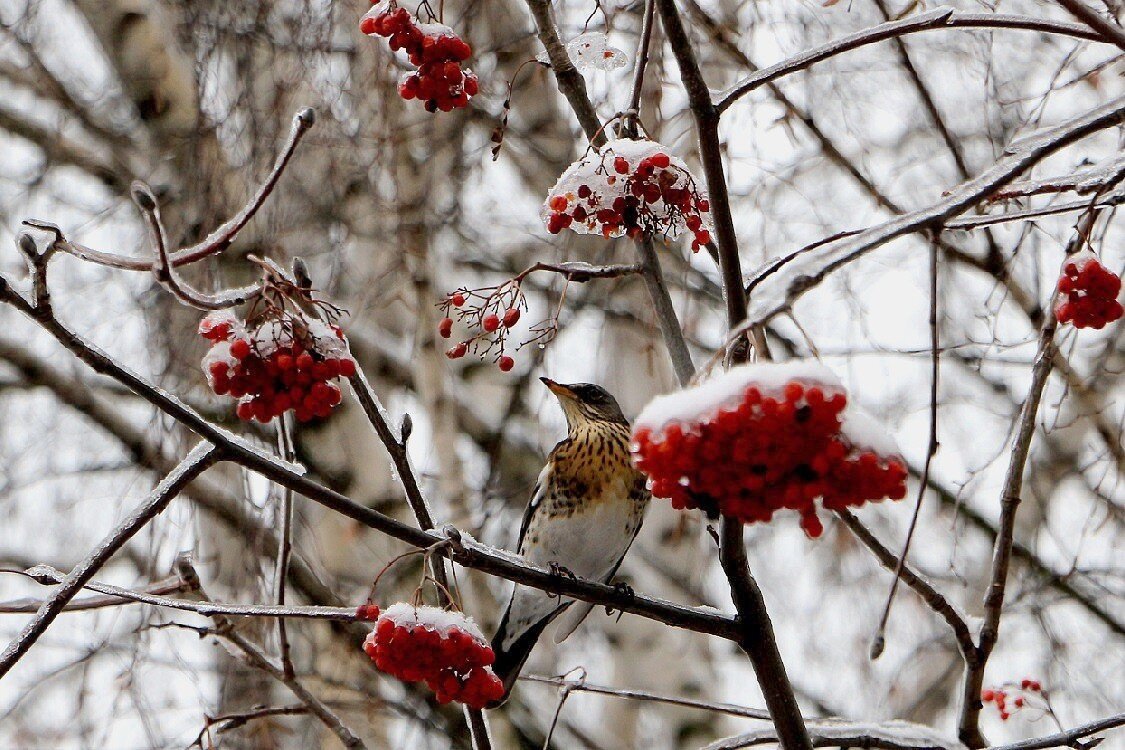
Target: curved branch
<point>164,271</point>
<point>939,18</point>
<point>1068,738</point>
<point>218,240</point>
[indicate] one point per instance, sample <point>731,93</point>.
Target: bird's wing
<point>537,495</point>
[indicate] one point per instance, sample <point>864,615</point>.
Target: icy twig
<point>777,294</point>
<point>164,271</point>
<point>225,629</point>
<point>218,240</point>
<point>939,18</point>
<point>117,595</point>
<point>643,695</point>
<point>201,457</point>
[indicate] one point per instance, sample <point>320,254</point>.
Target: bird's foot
<point>625,590</point>
<point>561,571</point>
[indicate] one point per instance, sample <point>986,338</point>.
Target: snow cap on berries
<point>628,187</point>
<point>728,388</point>
<point>439,620</point>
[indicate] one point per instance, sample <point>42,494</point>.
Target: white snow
<point>726,389</point>
<point>864,431</point>
<point>433,618</point>
<point>436,30</point>
<point>595,169</point>
<point>219,352</point>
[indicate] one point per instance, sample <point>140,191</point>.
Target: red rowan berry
<point>445,327</point>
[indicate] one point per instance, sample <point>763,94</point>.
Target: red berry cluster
<point>436,50</point>
<point>999,697</point>
<point>492,310</point>
<point>443,649</point>
<point>1091,292</point>
<point>631,187</point>
<point>766,452</point>
<point>287,362</point>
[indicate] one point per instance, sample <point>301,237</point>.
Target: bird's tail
<point>511,658</point>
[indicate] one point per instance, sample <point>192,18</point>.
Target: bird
<point>587,508</point>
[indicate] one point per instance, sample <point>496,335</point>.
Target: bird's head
<point>583,403</point>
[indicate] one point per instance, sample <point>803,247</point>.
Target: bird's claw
<point>625,590</point>
<point>561,571</point>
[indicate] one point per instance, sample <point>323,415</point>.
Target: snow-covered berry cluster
<point>1091,292</point>
<point>490,313</point>
<point>444,649</point>
<point>283,361</point>
<point>766,437</point>
<point>435,49</point>
<point>999,696</point>
<point>628,188</point>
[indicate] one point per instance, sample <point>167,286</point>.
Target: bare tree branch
<point>201,457</point>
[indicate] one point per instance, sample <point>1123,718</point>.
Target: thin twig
<point>1107,29</point>
<point>644,695</point>
<point>939,18</point>
<point>931,450</point>
<point>116,596</point>
<point>285,543</point>
<point>931,596</point>
<point>218,240</point>
<point>198,460</point>
<point>969,723</point>
<point>165,272</point>
<point>224,629</point>
<point>1069,737</point>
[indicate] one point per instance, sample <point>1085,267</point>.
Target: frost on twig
<point>887,735</point>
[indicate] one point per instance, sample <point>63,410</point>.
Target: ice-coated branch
<point>939,18</point>
<point>1082,182</point>
<point>666,316</point>
<point>889,735</point>
<point>931,596</point>
<point>569,81</point>
<point>154,595</point>
<point>224,629</point>
<point>216,242</point>
<point>581,686</point>
<point>1107,29</point>
<point>198,460</point>
<point>969,723</point>
<point>165,272</point>
<point>777,293</point>
<point>44,573</point>
<point>580,271</point>
<point>1069,737</point>
<point>456,547</point>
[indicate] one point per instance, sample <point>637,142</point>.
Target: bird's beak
<point>558,389</point>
